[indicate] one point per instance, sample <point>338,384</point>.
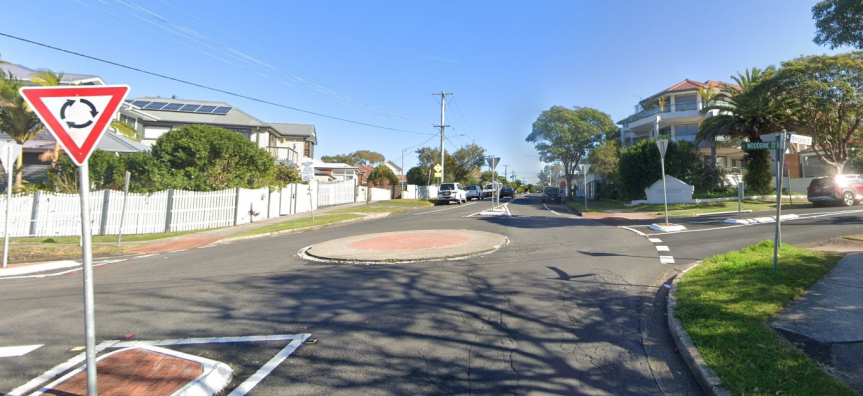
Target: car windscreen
<point>447,186</point>
<point>552,190</point>
<point>823,182</point>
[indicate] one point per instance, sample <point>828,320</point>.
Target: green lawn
<point>73,240</point>
<point>725,304</point>
<point>373,209</point>
<point>299,223</point>
<point>413,202</point>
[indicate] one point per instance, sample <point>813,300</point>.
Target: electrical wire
<point>208,87</point>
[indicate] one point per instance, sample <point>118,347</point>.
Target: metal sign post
<point>492,163</point>
<point>89,300</point>
<point>10,153</point>
<point>662,144</point>
<point>780,160</point>
<point>123,211</point>
<point>584,169</point>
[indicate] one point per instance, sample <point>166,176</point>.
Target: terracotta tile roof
<point>688,84</point>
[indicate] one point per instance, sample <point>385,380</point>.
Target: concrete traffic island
<point>405,247</point>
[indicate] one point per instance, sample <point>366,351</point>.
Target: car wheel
<point>848,198</point>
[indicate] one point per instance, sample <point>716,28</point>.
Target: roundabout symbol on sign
<point>78,113</point>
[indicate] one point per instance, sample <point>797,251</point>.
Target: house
<point>24,73</point>
<point>337,172</point>
<point>152,117</point>
<point>365,172</point>
<point>399,172</point>
<point>676,112</point>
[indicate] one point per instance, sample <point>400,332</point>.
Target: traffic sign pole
<point>780,162</point>
<point>89,300</point>
<point>8,147</point>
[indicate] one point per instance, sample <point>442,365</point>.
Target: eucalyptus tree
<point>564,135</point>
<point>827,91</point>
<point>838,23</point>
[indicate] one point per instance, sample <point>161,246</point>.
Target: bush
<point>382,176</point>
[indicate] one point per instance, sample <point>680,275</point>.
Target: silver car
<point>474,192</point>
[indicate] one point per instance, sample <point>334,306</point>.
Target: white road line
<point>666,259</point>
<point>660,248</point>
<point>20,350</point>
<point>146,255</point>
<point>54,372</point>
<point>213,340</point>
<point>267,368</point>
<point>548,209</point>
<point>655,240</point>
<point>440,210</point>
<point>636,231</point>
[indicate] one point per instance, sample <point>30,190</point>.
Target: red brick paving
<point>408,242</point>
<point>180,244</point>
<point>134,372</point>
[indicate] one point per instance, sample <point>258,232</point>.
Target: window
<point>685,102</point>
<point>153,132</point>
<point>686,132</point>
<point>242,131</point>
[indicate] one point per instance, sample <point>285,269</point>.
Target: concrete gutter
<point>707,379</point>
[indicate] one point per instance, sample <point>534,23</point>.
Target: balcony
<point>677,107</point>
<point>284,154</point>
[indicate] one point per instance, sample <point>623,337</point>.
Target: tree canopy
<point>382,175</point>
<point>827,92</point>
<point>16,118</point>
<point>564,135</point>
<point>461,165</point>
<point>838,23</point>
<point>356,158</point>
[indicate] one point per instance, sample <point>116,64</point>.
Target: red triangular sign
<point>77,116</point>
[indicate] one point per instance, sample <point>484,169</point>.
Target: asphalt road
<point>570,306</point>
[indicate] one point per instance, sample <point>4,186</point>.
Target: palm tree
<point>754,111</point>
<point>16,118</point>
<point>47,78</point>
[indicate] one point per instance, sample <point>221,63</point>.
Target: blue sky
<point>378,62</point>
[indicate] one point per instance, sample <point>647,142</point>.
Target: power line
<point>216,45</point>
<point>208,87</point>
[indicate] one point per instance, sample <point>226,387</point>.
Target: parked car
<point>844,189</point>
<point>488,190</point>
<point>451,192</point>
<point>474,192</point>
<point>550,194</point>
<point>507,191</point>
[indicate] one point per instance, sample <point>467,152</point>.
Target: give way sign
<point>76,116</point>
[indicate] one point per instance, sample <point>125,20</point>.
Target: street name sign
<point>77,116</point>
<point>750,146</point>
<point>307,169</point>
<point>800,139</point>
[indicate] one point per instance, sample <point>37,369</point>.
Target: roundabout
<point>405,247</point>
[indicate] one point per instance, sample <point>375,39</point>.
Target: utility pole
<point>442,130</point>
<point>513,175</point>
<point>403,169</point>
<point>505,171</point>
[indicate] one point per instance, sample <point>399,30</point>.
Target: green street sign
<point>749,146</point>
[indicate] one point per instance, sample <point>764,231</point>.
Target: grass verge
<point>580,207</point>
<point>27,254</point>
<point>725,303</point>
<point>73,240</point>
<point>373,209</point>
<point>411,202</point>
<point>299,223</point>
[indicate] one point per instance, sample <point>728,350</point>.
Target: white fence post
<point>103,223</point>
<point>34,212</point>
<point>169,210</point>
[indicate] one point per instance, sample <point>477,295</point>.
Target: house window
<point>153,132</point>
<point>686,132</point>
<point>685,102</point>
<point>242,131</point>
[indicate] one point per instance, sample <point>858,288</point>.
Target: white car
<point>474,192</point>
<point>447,192</point>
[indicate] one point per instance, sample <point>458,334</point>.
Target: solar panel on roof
<point>189,108</point>
<point>222,110</point>
<point>206,109</point>
<point>172,107</point>
<point>128,100</point>
<point>140,103</point>
<point>155,106</point>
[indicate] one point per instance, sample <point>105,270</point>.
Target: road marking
<point>548,209</point>
<point>20,350</point>
<point>655,240</point>
<point>660,248</point>
<point>440,210</point>
<point>57,370</point>
<point>268,368</point>
<point>635,231</point>
<point>666,259</point>
<point>146,255</point>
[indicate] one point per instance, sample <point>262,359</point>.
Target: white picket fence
<point>44,214</point>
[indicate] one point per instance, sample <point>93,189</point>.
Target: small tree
<point>419,175</point>
<point>383,176</point>
<point>16,118</point>
<point>604,160</point>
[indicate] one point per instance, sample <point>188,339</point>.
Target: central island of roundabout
<point>405,247</point>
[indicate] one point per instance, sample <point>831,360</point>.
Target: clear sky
<point>378,62</point>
